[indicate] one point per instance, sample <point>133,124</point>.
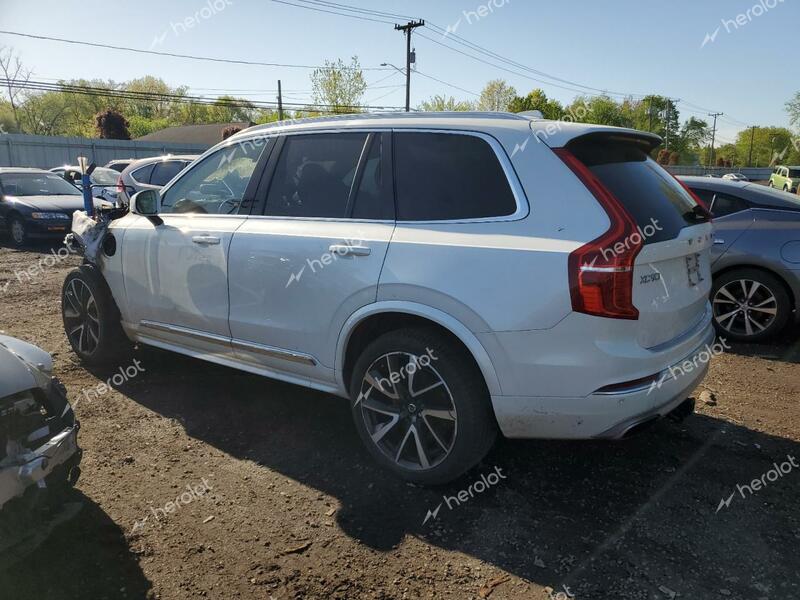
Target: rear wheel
<point>91,318</point>
<point>749,305</point>
<point>421,406</point>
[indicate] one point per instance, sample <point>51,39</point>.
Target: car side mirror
<point>146,204</point>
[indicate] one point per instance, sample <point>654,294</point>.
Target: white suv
<point>449,274</point>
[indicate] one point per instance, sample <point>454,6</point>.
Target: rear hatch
<point>671,272</point>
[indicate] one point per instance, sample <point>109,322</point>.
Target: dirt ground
<point>284,503</point>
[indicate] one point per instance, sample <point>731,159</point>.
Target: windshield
<point>36,184</point>
<point>103,176</point>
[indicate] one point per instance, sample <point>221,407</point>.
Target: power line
<point>175,55</point>
<point>184,99</point>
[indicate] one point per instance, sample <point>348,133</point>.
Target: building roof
<point>209,134</point>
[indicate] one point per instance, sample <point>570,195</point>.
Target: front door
<point>176,265</point>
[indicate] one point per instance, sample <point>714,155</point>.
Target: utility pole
<point>280,102</point>
<point>407,29</point>
<point>713,136</point>
<point>650,114</point>
<point>752,135</point>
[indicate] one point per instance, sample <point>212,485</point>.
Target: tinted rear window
<point>443,176</point>
<point>163,172</point>
<point>650,194</point>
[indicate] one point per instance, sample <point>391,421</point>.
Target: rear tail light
<point>601,272</point>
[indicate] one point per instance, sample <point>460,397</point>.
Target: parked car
<point>39,453</point>
<point>119,164</point>
<point>149,174</point>
<point>446,282</point>
<point>735,177</point>
<point>785,178</point>
<point>37,204</point>
<point>755,260</point>
<point>103,181</point>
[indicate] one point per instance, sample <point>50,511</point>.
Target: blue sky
<point>629,46</point>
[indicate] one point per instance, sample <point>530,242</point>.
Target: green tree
<point>445,103</point>
<point>793,108</point>
<point>537,100</point>
<point>111,125</point>
<point>338,87</point>
<point>496,96</point>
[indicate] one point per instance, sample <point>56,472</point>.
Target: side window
<point>314,175</point>
<point>215,185</point>
<point>142,174</point>
<point>444,176</point>
<point>164,171</point>
<point>727,205</point>
<point>374,198</point>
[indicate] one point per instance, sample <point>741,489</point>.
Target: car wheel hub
<point>81,317</point>
<point>745,307</point>
<point>18,232</point>
<point>408,411</point>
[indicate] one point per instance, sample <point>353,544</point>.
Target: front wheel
<point>91,318</point>
<point>421,406</point>
<point>749,305</point>
<point>18,232</point>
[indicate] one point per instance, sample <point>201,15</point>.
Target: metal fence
<point>46,152</point>
<point>752,173</point>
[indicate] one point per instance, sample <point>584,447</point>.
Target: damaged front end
<point>89,233</point>
<point>39,453</point>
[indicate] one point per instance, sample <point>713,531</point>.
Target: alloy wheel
<point>408,410</point>
<point>18,232</point>
<point>745,307</point>
<point>81,317</point>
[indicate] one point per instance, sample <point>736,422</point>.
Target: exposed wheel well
<point>376,325</point>
<point>777,276</point>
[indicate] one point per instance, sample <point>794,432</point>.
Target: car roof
<point>554,133</point>
<point>22,170</point>
<point>759,195</point>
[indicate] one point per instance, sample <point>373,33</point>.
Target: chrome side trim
<point>185,331</point>
<point>271,351</point>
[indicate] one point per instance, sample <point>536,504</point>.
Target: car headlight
<point>49,216</point>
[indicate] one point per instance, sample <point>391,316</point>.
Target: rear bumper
<point>610,415</point>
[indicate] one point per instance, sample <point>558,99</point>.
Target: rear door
<point>315,254</point>
<point>672,272</point>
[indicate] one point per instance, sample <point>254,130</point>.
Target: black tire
<point>770,184</point>
<point>758,310</point>
<point>456,423</point>
<point>102,340</point>
<point>17,232</point>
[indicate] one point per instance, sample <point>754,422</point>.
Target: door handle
<point>206,240</point>
<point>345,250</point>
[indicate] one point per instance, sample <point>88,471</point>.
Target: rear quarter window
<point>449,176</point>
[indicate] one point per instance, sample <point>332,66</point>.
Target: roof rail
<point>389,115</point>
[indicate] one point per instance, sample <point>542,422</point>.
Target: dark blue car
<point>36,204</point>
